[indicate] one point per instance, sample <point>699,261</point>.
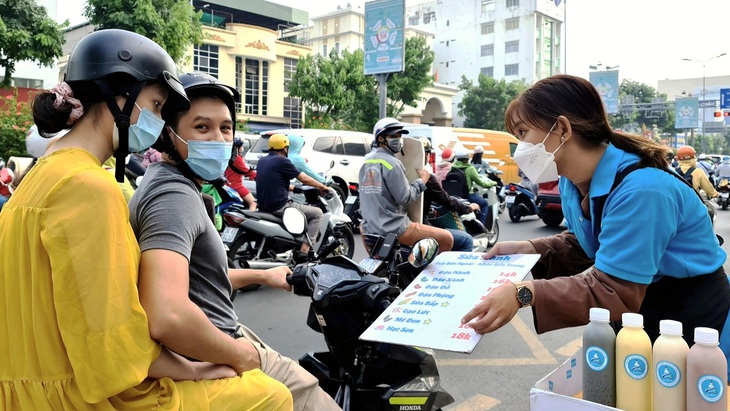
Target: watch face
<point>524,295</point>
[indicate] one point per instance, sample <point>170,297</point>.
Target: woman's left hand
<point>494,311</point>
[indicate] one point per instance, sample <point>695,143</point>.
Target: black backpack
<point>686,175</point>
<point>455,183</point>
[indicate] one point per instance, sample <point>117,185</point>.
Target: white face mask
<point>537,164</point>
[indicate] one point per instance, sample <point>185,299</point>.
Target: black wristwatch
<point>524,296</point>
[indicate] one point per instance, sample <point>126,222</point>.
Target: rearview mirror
<point>332,164</point>
<point>294,221</point>
<point>423,252</point>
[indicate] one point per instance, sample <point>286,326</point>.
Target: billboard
<point>606,82</point>
<point>384,40</point>
<point>685,112</point>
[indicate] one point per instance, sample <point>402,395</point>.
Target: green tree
<point>484,104</point>
<point>27,33</point>
<point>173,24</point>
<point>337,94</point>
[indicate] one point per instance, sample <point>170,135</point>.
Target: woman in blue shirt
<point>638,234</point>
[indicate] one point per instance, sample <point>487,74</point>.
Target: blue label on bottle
<point>710,387</point>
<point>636,366</point>
<point>596,358</point>
<point>668,374</point>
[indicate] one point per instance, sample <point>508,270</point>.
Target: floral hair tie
<point>64,94</point>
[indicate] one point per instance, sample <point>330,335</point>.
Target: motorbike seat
<point>262,216</point>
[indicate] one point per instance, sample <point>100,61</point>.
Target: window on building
<point>487,71</point>
<point>487,50</point>
<point>290,67</point>
<point>488,28</point>
<point>512,24</point>
<point>413,21</point>
<point>513,3</point>
<point>205,59</point>
<point>24,82</point>
<point>487,5</point>
<point>337,48</point>
<point>511,69</point>
<point>324,50</point>
<point>256,92</point>
<point>293,111</point>
<point>512,46</point>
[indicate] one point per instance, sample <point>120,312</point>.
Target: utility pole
<point>704,95</point>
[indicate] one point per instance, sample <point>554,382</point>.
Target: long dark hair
<point>576,99</point>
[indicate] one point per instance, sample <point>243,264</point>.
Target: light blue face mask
<point>207,159</point>
<point>145,131</point>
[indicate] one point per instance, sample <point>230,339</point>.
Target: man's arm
<point>307,180</point>
<point>273,277</point>
<point>179,324</point>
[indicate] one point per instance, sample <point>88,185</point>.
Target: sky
<point>647,39</point>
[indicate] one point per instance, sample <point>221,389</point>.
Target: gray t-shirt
<point>167,212</point>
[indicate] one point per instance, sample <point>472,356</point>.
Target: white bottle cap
<point>670,327</point>
<point>599,315</point>
<point>633,320</point>
<point>706,335</point>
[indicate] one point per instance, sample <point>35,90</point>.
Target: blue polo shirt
<point>653,224</point>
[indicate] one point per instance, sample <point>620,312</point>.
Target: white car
<point>346,148</point>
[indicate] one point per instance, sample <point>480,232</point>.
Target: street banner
<point>606,82</point>
<point>384,41</point>
<point>428,312</point>
<point>686,112</point>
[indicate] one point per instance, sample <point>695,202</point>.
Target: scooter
<point>494,174</point>
<point>346,299</point>
<point>520,202</point>
<point>259,240</point>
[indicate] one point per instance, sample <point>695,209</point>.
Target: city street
<point>499,373</point>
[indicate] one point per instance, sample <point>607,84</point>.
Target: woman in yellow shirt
<point>75,335</point>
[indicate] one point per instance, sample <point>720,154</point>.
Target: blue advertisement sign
<point>686,112</point>
<point>725,98</point>
<point>384,41</point>
<point>606,82</point>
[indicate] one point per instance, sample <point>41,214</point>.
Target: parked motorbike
<point>723,188</point>
<point>346,299</point>
<point>352,206</point>
<point>259,240</point>
<point>520,202</point>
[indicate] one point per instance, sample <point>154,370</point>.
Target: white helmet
<point>461,152</point>
<point>388,126</point>
<point>478,149</point>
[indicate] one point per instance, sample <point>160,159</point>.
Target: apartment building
<point>504,39</point>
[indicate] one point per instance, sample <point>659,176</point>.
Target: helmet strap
<point>168,147</point>
<point>122,118</point>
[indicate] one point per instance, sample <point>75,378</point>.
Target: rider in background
<point>275,171</point>
<point>296,143</point>
<point>473,178</point>
<point>385,191</point>
<point>447,161</point>
<point>700,181</point>
<point>237,169</point>
<point>476,159</point>
<point>723,169</point>
<point>435,194</point>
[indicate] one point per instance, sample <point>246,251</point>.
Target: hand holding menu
<point>428,312</point>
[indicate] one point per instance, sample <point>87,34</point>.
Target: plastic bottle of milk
<point>599,359</point>
<point>670,364</point>
<point>633,364</point>
<point>706,373</point>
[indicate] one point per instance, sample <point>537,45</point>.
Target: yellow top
<point>74,334</point>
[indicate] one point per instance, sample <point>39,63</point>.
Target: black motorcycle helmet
<point>103,56</point>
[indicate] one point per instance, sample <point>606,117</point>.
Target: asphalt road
<point>497,375</point>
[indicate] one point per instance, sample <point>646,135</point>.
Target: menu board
<point>428,312</point>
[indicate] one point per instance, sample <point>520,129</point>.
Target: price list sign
<point>428,312</point>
